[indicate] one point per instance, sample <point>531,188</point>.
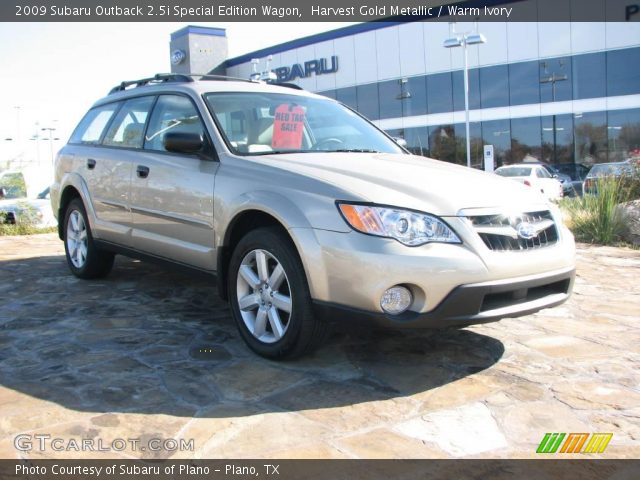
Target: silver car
<point>306,213</point>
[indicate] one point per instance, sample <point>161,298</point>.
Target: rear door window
<point>127,128</point>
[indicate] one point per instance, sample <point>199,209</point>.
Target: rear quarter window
<point>90,129</point>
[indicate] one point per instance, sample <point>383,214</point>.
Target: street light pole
<point>17,123</point>
<point>467,128</point>
<point>463,40</point>
<point>50,130</point>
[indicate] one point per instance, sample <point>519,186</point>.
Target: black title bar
<point>320,11</point>
<point>565,469</point>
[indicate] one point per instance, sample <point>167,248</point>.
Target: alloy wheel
<point>264,296</point>
<point>77,240</point>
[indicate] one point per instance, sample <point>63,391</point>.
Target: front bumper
<point>354,269</point>
<point>467,304</point>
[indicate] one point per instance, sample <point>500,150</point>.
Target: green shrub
<point>23,229</point>
<point>631,183</point>
<point>595,218</point>
<point>27,222</point>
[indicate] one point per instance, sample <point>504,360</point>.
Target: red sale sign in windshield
<point>288,127</point>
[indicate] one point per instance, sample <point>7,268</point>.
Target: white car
<point>25,197</point>
<point>534,176</point>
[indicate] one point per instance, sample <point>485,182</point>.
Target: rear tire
<point>84,258</point>
<point>269,297</point>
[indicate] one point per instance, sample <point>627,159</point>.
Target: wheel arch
<point>241,224</point>
<point>68,194</point>
<point>74,187</point>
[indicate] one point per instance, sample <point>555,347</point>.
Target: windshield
<point>604,169</point>
<point>263,123</point>
<point>514,171</point>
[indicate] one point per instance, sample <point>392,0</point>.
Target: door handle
<point>91,164</point>
<point>142,171</point>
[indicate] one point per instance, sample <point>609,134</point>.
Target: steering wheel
<point>327,142</point>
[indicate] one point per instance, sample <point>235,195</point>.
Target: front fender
<point>278,206</point>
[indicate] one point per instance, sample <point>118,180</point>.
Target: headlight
<point>408,227</point>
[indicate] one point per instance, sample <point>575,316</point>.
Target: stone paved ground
<point>149,354</point>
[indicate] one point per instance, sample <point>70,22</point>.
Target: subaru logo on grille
<point>527,231</point>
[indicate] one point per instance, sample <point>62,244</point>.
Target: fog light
<point>396,300</point>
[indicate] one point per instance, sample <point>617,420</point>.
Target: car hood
<point>408,181</point>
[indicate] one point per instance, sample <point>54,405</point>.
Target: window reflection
<point>589,76</point>
<point>526,140</point>
<point>414,93</point>
<point>477,147</point>
<point>367,97</point>
<point>328,93</point>
<point>590,137</point>
<point>439,93</point>
<point>347,96</point>
<point>524,84</point>
<point>623,134</point>
<point>494,86</point>
<point>474,89</point>
<point>558,148</point>
<point>498,134</point>
<point>390,102</point>
<point>443,144</point>
<point>623,74</point>
<point>555,80</point>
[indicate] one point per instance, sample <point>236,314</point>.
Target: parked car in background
<point>25,197</point>
<point>535,176</point>
<point>577,172</point>
<point>602,170</point>
<point>568,187</point>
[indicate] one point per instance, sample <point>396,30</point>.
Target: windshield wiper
<point>278,152</point>
<point>354,150</point>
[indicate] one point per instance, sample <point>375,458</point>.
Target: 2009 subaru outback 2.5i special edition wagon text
<point>307,213</point>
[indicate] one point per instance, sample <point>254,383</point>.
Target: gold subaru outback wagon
<point>305,212</point>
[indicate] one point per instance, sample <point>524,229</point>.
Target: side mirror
<point>400,141</point>
<point>183,142</point>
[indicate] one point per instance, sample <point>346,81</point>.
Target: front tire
<point>84,258</point>
<point>269,296</point>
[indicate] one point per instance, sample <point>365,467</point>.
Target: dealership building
<point>560,92</point>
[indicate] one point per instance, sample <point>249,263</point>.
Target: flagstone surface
<point>148,357</point>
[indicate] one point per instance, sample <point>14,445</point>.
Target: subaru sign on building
<point>559,92</point>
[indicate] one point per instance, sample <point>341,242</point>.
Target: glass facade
<point>589,137</point>
<point>585,138</point>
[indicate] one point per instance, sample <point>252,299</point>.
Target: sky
<point>53,72</point>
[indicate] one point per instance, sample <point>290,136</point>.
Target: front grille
<point>524,231</point>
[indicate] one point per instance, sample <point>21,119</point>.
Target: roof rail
<point>157,78</point>
<point>188,77</point>
<point>286,85</point>
<point>210,76</point>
